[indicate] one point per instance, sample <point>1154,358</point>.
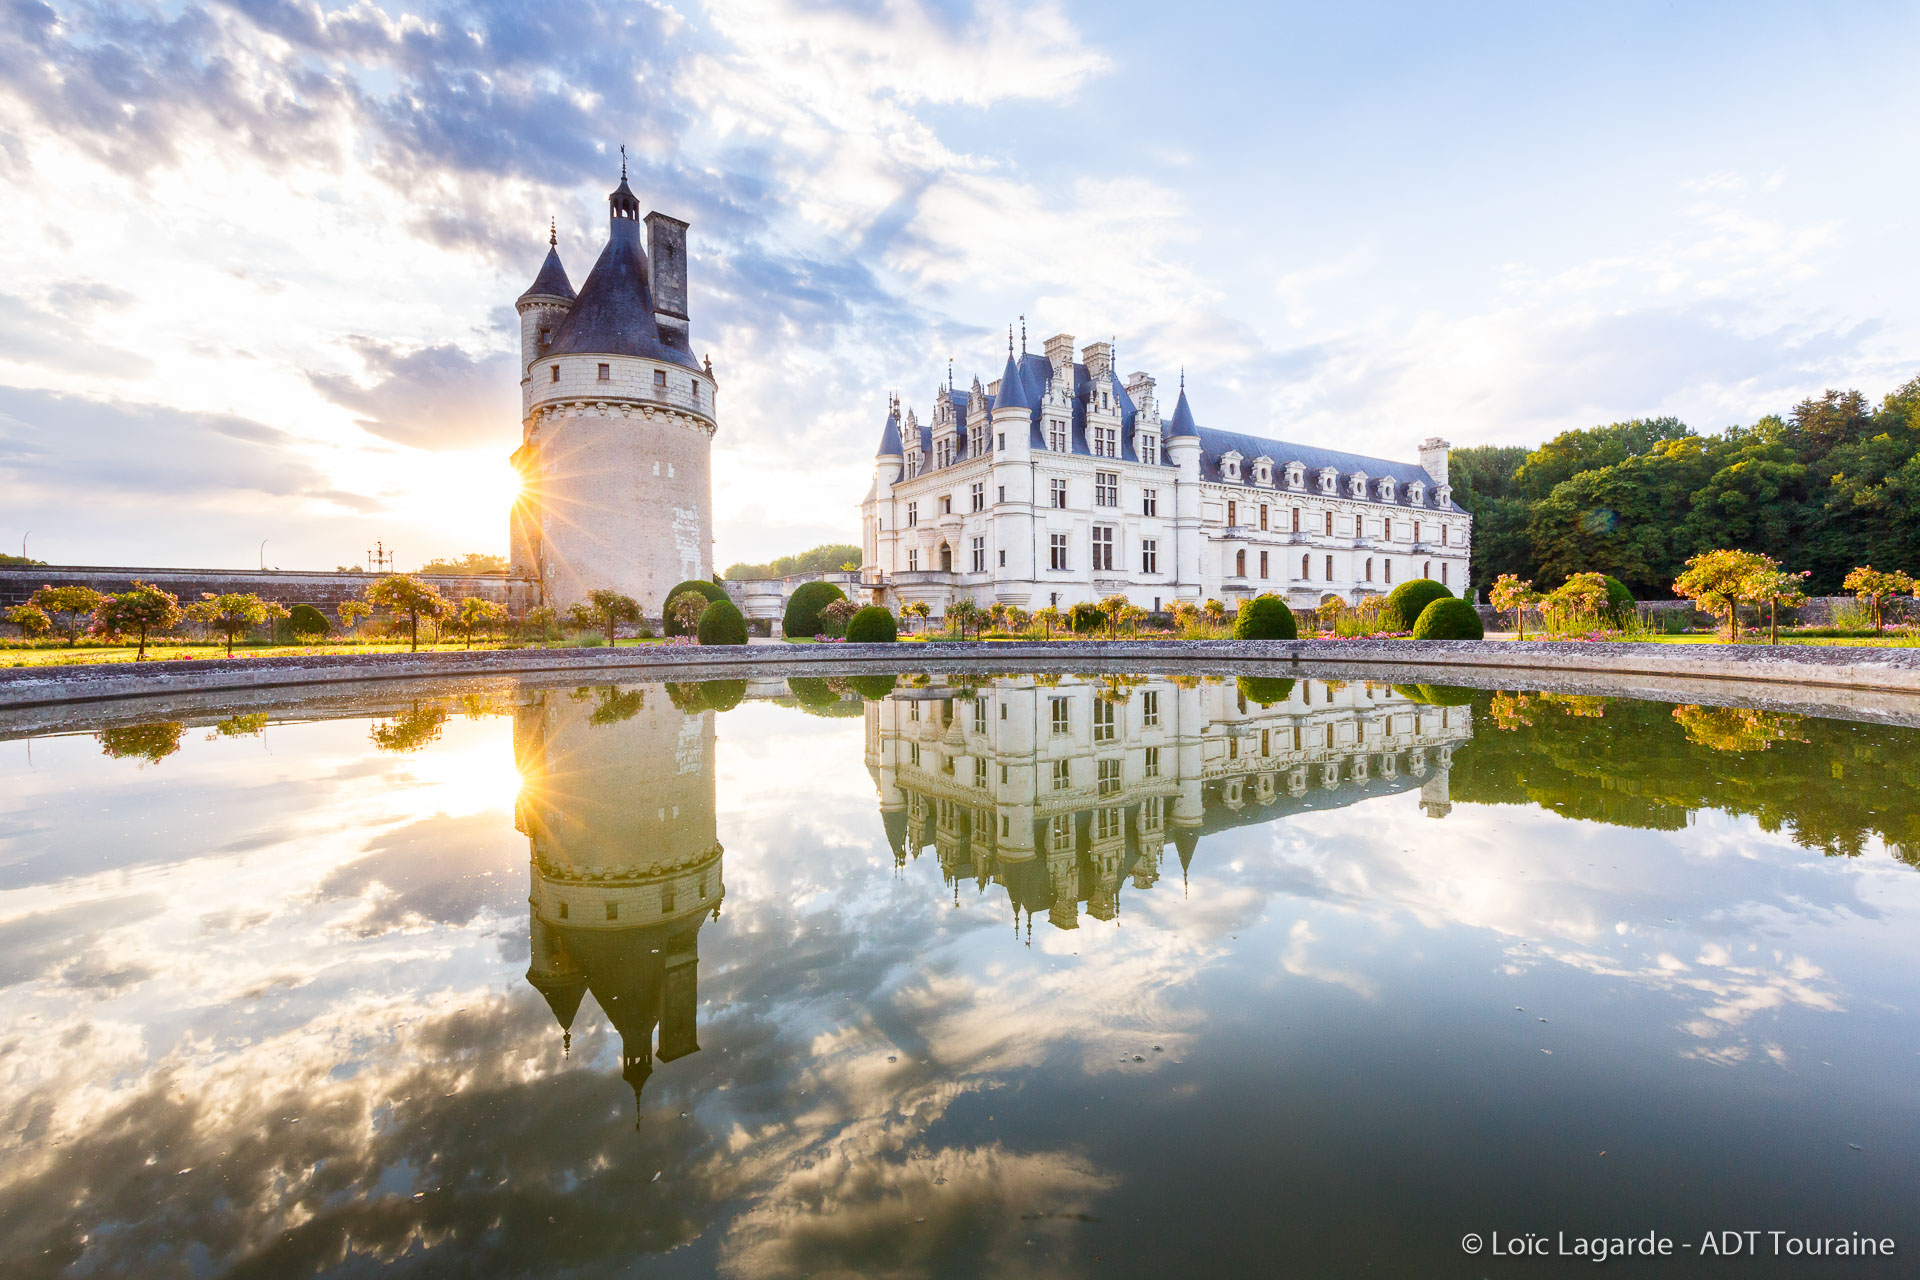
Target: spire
<point>614,314</point>
<point>551,282</point>
<point>1013,390</point>
<point>890,433</point>
<point>1182,422</point>
<point>1023,335</point>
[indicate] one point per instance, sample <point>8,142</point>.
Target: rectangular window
<point>1062,714</point>
<point>660,378</point>
<point>1109,777</point>
<point>613,908</point>
<point>1003,494</point>
<point>1263,516</point>
<point>1388,566</point>
<point>1062,777</point>
<point>1329,564</point>
<point>1103,547</point>
<point>1150,708</point>
<point>1265,743</point>
<point>1106,488</point>
<point>1149,556</point>
<point>1003,559</point>
<point>1057,489</point>
<point>1060,833</point>
<point>913,514</point>
<point>979,555</point>
<point>1107,821</point>
<point>1106,442</point>
<point>979,495</point>
<point>555,371</point>
<point>1003,440</point>
<point>1104,715</point>
<point>1263,564</point>
<point>563,911</point>
<point>1329,525</point>
<point>1149,502</point>
<point>606,373</point>
<point>1057,551</point>
<point>1056,435</point>
<point>1150,450</point>
<point>913,559</point>
<point>1233,512</point>
<point>913,754</point>
<point>1386,528</point>
<point>979,773</point>
<point>1150,765</point>
<point>946,505</point>
<point>1416,531</point>
<point>1296,519</point>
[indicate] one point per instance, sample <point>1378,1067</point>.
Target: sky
<point>261,257</point>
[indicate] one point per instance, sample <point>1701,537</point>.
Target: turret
<point>543,306</point>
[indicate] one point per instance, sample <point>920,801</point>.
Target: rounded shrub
<point>1265,618</point>
<point>711,590</point>
<point>804,606</point>
<point>1406,602</point>
<point>1620,602</point>
<point>1444,695</point>
<point>1265,690</point>
<point>1085,618</point>
<point>811,691</point>
<point>872,625</point>
<point>872,688</point>
<point>305,620</point>
<point>1449,619</point>
<point>722,624</point>
<point>723,695</point>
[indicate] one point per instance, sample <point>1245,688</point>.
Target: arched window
<point>946,558</point>
<point>1369,568</point>
<point>1426,570</point>
<point>1240,564</point>
<point>1443,573</point>
<point>1306,568</point>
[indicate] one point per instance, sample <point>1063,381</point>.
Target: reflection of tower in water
<point>617,804</point>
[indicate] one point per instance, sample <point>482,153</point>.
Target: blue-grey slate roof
<point>614,313</point>
<point>1214,444</point>
<point>1181,424</point>
<point>552,281</point>
<point>890,437</point>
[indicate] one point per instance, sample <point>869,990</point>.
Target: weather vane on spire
<point>1009,342</point>
<point>1023,335</point>
<point>623,162</point>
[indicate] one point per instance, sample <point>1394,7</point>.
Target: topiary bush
<point>872,625</point>
<point>1449,619</point>
<point>710,590</point>
<point>1266,690</point>
<point>1265,618</point>
<point>804,606</point>
<point>1621,605</point>
<point>872,688</point>
<point>1086,618</point>
<point>1445,695</point>
<point>1406,602</point>
<point>305,620</point>
<point>722,624</point>
<point>811,691</point>
<point>723,695</point>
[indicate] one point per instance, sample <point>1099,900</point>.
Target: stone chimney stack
<point>667,262</point>
<point>1098,357</point>
<point>1059,349</point>
<point>1140,391</point>
<point>1433,458</point>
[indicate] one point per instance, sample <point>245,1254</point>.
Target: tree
<point>475,612</point>
<point>402,593</point>
<point>1776,587</point>
<point>411,730</point>
<point>1720,580</point>
<point>31,619</point>
<point>919,610</point>
<point>144,610</point>
<point>351,612</point>
<point>234,614</point>
<point>149,742</point>
<point>1085,617</point>
<point>471,565</point>
<point>708,591</point>
<point>1517,594</point>
<point>1578,602</point>
<point>962,614</point>
<point>1216,612</point>
<point>580,617</point>
<point>611,609</point>
<point>837,613</point>
<point>722,624</point>
<point>1874,588</point>
<point>69,610</point>
<point>683,612</point>
<point>541,619</point>
<point>1114,608</point>
<point>804,606</point>
<point>1050,617</point>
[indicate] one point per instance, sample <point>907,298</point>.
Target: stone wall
<point>324,591</point>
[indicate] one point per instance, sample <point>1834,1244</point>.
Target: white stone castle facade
<point>1060,483</point>
<point>617,423</point>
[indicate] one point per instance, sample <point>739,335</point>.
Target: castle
<point>1060,483</point>
<point>617,423</point>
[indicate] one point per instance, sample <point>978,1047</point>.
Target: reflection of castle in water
<point>1058,790</point>
<point>617,803</point>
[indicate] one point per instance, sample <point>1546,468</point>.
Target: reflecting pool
<point>956,974</point>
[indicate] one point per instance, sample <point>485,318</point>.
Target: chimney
<point>1098,357</point>
<point>1433,458</point>
<point>1059,349</point>
<point>667,255</point>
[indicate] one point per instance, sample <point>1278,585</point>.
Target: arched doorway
<point>946,558</point>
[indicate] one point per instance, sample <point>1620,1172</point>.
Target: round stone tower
<point>617,423</point>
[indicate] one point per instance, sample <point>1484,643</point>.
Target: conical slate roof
<point>552,281</point>
<point>890,437</point>
<point>1182,422</point>
<point>614,313</point>
<point>1013,389</point>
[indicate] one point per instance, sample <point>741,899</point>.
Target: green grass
<point>168,651</point>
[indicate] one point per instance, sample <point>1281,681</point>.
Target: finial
<point>1023,335</point>
<point>949,374</point>
<point>1009,342</point>
<point>623,162</point>
<point>1183,378</point>
<point>553,233</point>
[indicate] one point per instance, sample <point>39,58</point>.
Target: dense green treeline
<point>1832,784</point>
<point>822,559</point>
<point>1834,484</point>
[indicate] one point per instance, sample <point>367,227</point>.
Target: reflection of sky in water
<point>266,1013</point>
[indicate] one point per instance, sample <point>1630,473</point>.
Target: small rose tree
<point>69,610</point>
<point>31,619</point>
<point>837,613</point>
<point>685,610</point>
<point>611,608</point>
<point>1720,580</point>
<point>402,593</point>
<point>234,614</point>
<point>1874,587</point>
<point>351,613</point>
<point>1777,587</point>
<point>540,620</point>
<point>1577,603</point>
<point>145,610</point>
<point>919,610</point>
<point>1050,617</point>
<point>476,612</point>
<point>1517,594</point>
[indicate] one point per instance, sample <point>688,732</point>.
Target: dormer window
<point>1149,449</point>
<point>1386,489</point>
<point>1230,466</point>
<point>1442,495</point>
<point>1296,476</point>
<point>1357,485</point>
<point>1263,470</point>
<point>1417,494</point>
<point>1328,478</point>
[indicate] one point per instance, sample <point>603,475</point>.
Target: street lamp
<point>263,555</point>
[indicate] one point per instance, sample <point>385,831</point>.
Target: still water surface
<point>1040,976</point>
